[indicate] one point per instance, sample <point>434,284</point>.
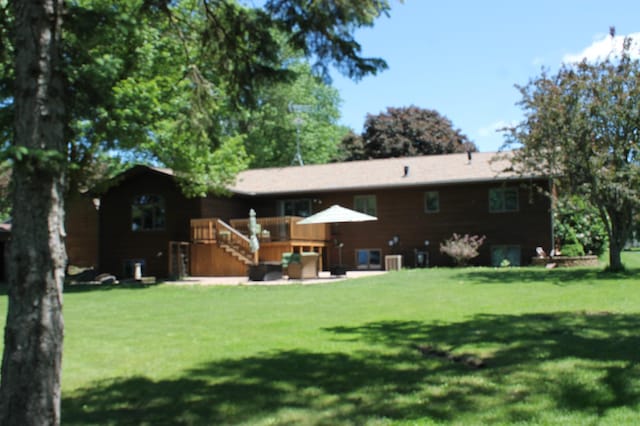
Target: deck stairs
<point>233,242</point>
<point>237,252</point>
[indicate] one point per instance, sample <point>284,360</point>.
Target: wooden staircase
<point>229,241</point>
<point>238,252</point>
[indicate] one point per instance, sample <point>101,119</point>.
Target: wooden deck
<point>219,249</point>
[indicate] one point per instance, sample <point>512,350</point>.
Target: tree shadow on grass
<point>600,347</point>
<point>391,380</point>
<point>85,288</point>
<point>286,387</point>
<point>562,276</point>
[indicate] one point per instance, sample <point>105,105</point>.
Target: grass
<point>559,347</point>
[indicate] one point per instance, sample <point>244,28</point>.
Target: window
<point>431,202</point>
<point>365,204</point>
<point>300,207</point>
<point>368,259</point>
<point>147,213</point>
<point>505,254</point>
<point>503,200</point>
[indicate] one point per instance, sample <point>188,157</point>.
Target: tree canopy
<point>582,125</point>
<point>168,82</point>
<point>406,132</point>
<point>304,110</point>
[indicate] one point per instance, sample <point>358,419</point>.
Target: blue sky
<point>463,58</point>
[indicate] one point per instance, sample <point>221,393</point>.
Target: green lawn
<point>558,346</point>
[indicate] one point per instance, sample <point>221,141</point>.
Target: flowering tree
<point>583,125</point>
<point>462,248</point>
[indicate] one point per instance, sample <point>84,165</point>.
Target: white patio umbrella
<point>336,214</point>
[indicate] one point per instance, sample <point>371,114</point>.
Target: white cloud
<point>605,46</point>
<point>539,61</point>
<point>493,128</point>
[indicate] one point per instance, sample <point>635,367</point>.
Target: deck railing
<point>283,228</point>
<point>214,230</point>
<point>203,230</point>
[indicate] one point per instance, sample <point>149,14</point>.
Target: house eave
<point>351,188</point>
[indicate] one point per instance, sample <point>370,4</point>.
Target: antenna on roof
<point>297,109</point>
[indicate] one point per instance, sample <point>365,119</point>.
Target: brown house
<point>419,202</point>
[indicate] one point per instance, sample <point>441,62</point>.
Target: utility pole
<point>297,109</point>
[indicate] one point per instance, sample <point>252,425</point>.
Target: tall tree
<point>410,131</point>
<point>582,124</point>
<point>304,110</point>
<point>30,390</point>
<point>128,75</point>
<point>5,195</point>
<point>351,148</point>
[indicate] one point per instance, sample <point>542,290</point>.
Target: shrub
<point>572,250</point>
<point>577,221</point>
<point>462,248</point>
<point>571,245</point>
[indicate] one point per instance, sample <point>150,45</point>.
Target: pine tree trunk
<point>31,364</point>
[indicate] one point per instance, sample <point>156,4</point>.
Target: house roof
<point>376,174</point>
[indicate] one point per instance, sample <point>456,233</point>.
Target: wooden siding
<point>81,223</point>
<point>463,209</point>
<point>223,207</point>
<point>119,243</point>
<point>211,260</point>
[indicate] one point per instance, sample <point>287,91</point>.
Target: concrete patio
<point>323,278</point>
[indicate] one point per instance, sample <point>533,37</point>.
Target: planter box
<point>306,268</point>
<point>565,261</point>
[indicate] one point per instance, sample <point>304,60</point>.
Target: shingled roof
<point>376,174</point>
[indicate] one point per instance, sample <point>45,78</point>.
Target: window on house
<point>505,254</point>
<point>503,200</point>
<point>147,213</point>
<point>300,207</point>
<point>431,202</point>
<point>365,204</point>
<point>368,259</point>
